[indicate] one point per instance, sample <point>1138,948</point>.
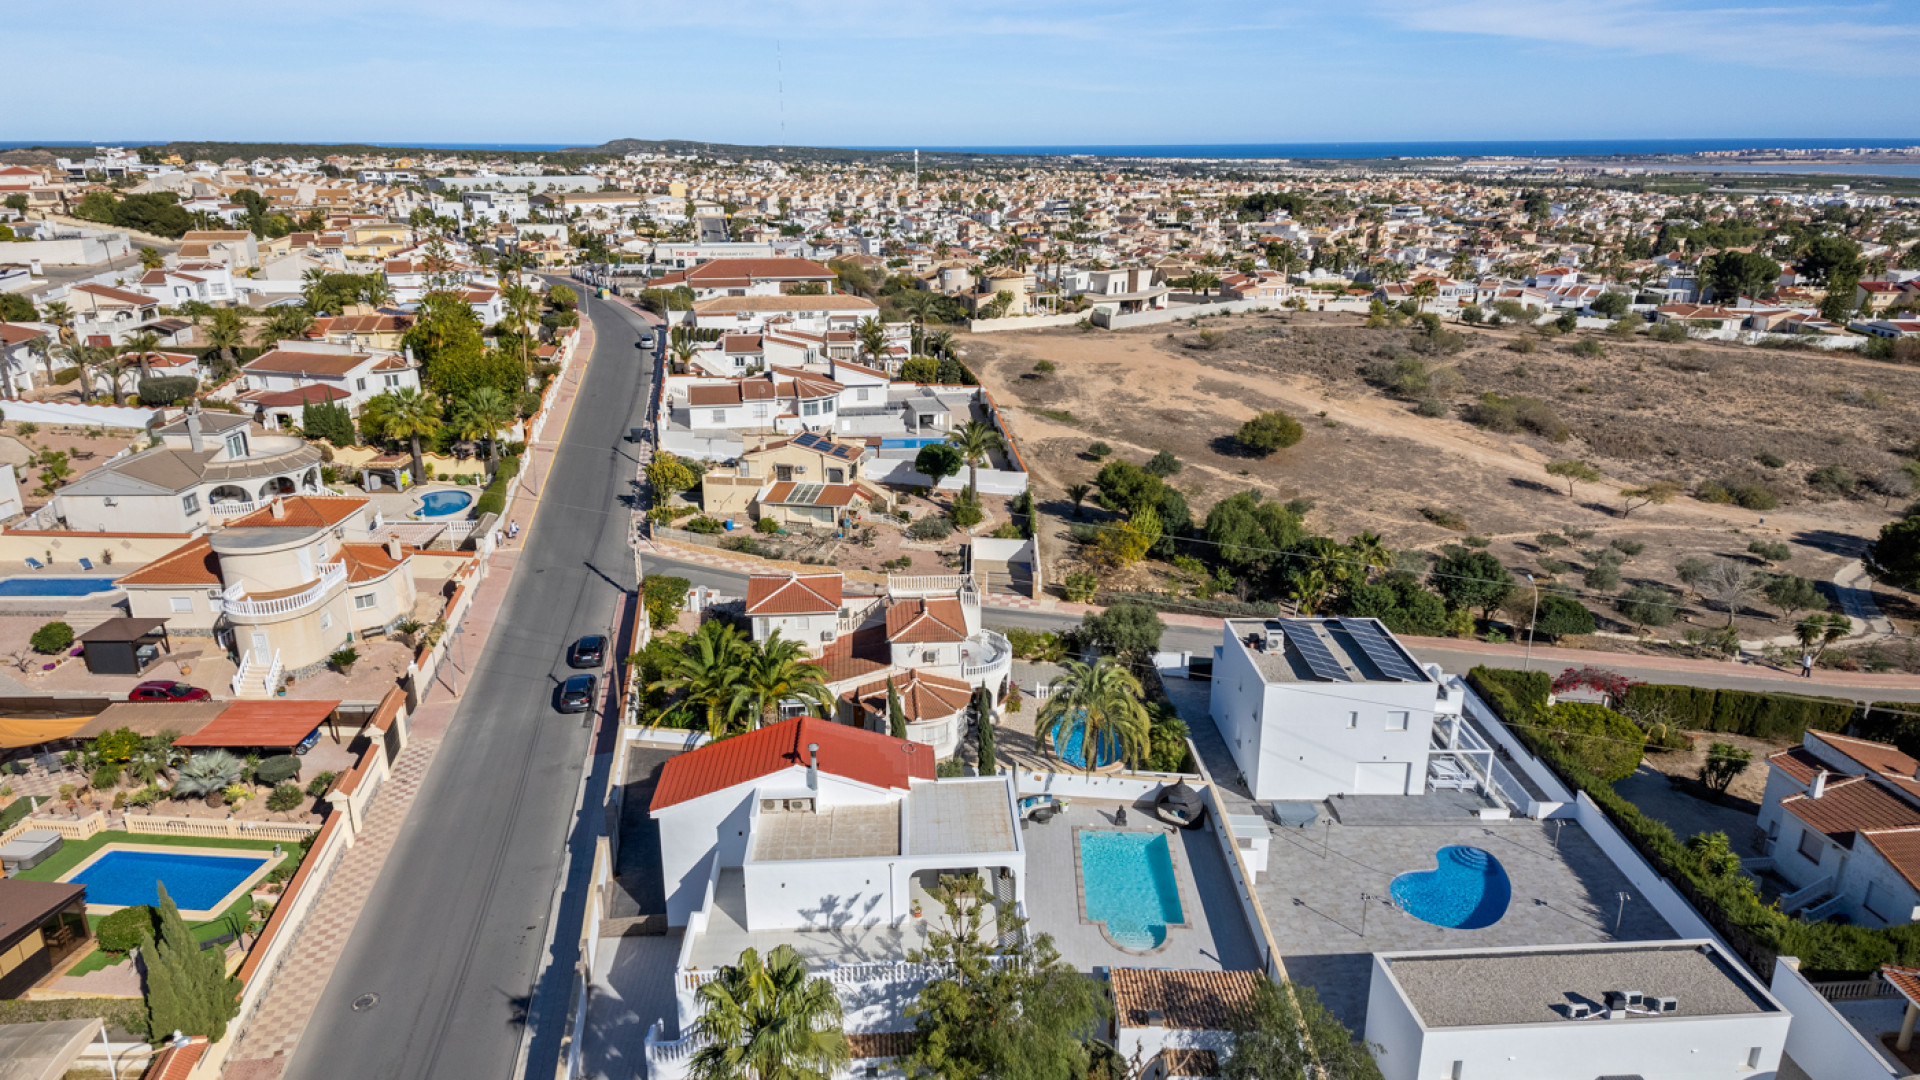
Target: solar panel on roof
<point>806,494</point>
<point>808,440</point>
<point>1315,652</point>
<point>1381,650</point>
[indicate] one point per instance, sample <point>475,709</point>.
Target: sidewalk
<point>273,1031</point>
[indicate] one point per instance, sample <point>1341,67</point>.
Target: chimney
<point>1819,787</point>
<point>193,427</point>
<point>813,766</point>
<point>278,508</point>
<point>394,551</point>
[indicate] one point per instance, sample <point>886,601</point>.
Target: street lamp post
<point>1531,620</point>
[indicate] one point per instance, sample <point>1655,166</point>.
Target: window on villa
<point>190,503</point>
<point>180,603</point>
<point>237,446</point>
<point>759,412</point>
<point>811,408</point>
<point>836,476</point>
<point>827,405</point>
<point>719,416</point>
<point>362,603</point>
<point>929,657</point>
<point>1396,721</point>
<point>1353,720</point>
<point>861,394</point>
<point>359,384</point>
<point>326,620</point>
<point>393,380</point>
<point>1811,845</point>
<point>926,419</point>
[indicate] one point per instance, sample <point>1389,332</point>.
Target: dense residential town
<point>692,612</point>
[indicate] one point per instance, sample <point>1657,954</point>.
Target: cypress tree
<point>187,989</point>
<point>983,705</point>
<point>896,716</point>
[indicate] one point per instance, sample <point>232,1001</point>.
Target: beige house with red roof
<point>282,588</point>
<point>1840,821</point>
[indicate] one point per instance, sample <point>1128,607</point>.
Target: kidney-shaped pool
<point>1467,890</point>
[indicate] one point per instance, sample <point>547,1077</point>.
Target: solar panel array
<point>807,440</point>
<point>806,494</point>
<point>1316,653</point>
<point>1380,649</point>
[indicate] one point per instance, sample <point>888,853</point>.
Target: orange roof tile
<point>192,563</point>
<point>922,696</point>
<point>303,512</point>
<point>922,622</point>
<point>367,562</point>
<point>1850,805</point>
<point>1187,1000</point>
<point>864,756</point>
<point>795,594</point>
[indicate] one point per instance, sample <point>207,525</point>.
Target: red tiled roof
<point>881,1044</point>
<point>304,512</point>
<point>1904,979</point>
<point>922,696</point>
<point>1851,805</point>
<point>933,620</point>
<point>795,594</point>
<point>1875,757</point>
<point>718,272</point>
<point>867,757</point>
<point>1187,1000</point>
<point>267,724</point>
<point>856,655</point>
<point>1797,762</point>
<point>300,395</point>
<point>1901,849</point>
<point>781,494</point>
<point>710,395</point>
<point>367,562</point>
<point>192,563</point>
<point>176,1062</point>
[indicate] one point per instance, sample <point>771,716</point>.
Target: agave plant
<point>208,774</point>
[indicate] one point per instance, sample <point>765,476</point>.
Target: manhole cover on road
<point>365,1002</point>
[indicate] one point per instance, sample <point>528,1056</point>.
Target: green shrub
<point>1602,741</point>
<point>1097,450</point>
<point>930,528</point>
<point>1268,432</point>
<point>285,797</point>
<point>122,930</point>
<point>54,637</point>
<point>1080,587</point>
<point>106,775</point>
<point>1741,712</point>
<point>494,499</point>
<point>277,769</point>
<point>318,786</point>
<point>766,526</point>
<point>704,524</point>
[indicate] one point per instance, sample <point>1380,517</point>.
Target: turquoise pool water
<point>195,882</point>
<point>1467,890</point>
<point>54,586</point>
<point>1074,747</point>
<point>1127,882</point>
<point>445,503</point>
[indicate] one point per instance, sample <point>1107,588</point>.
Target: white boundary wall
<point>1821,1041</point>
<point>62,412</point>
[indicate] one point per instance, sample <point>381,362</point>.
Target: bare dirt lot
<point>1640,411</point>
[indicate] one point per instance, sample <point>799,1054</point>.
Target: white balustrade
<point>236,602</point>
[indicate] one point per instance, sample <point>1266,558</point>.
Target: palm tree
<point>768,1020</point>
<point>289,323</point>
<point>1203,282</point>
<point>1103,699</point>
<point>873,338</point>
<point>940,344</point>
<point>682,350</point>
<point>377,292</point>
<point>706,676</point>
<point>110,364</point>
<point>151,259</point>
<point>522,311</point>
<point>1424,290</point>
<point>1078,493</point>
<point>313,284</point>
<point>44,348</point>
<point>226,332</point>
<point>777,671</point>
<point>60,314</point>
<point>1370,553</point>
<point>481,415</point>
<point>142,345</point>
<point>974,439</point>
<point>407,414</point>
<point>80,356</point>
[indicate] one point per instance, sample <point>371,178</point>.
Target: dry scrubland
<point>1640,411</point>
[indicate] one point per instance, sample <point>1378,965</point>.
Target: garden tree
<point>17,308</point>
<point>1399,601</point>
<point>920,369</point>
<point>404,414</point>
<point>1127,488</point>
<point>896,715</point>
<point>871,334</point>
<point>1365,553</point>
<point>1730,584</point>
<point>773,671</point>
<point>226,332</point>
<point>1792,593</point>
<point>563,297</point>
<point>1712,853</point>
<point>1128,630</point>
<point>1612,304</point>
<point>1894,558</point>
<point>983,711</point>
<point>937,461</point>
<point>1732,274</point>
<point>1250,534</point>
<point>1573,472</point>
<point>459,374</point>
<point>1829,257</point>
<point>483,414</point>
<point>1163,464</point>
<point>706,675</point>
<point>1103,700</point>
<point>1471,579</point>
<point>325,420</point>
<point>1646,605</point>
<point>445,330</point>
<point>1078,493</point>
<point>1561,615</point>
<point>1130,541</point>
<point>1773,551</point>
<point>188,989</point>
<point>768,1020</point>
<point>1283,1032</point>
<point>1658,493</point>
<point>668,474</point>
<point>954,373</point>
<point>973,441</point>
<point>1725,761</point>
<point>1816,632</point>
<point>1602,741</point>
<point>1268,432</point>
<point>663,596</point>
<point>522,310</point>
<point>1012,1011</point>
<point>291,323</point>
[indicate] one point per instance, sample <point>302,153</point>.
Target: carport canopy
<point>149,718</point>
<point>272,725</point>
<point>126,629</point>
<point>44,1050</point>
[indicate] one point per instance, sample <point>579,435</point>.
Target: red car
<point>163,690</point>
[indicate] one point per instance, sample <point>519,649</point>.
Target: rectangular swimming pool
<point>1127,882</point>
<point>195,882</point>
<point>54,586</point>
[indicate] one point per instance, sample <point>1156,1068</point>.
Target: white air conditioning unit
<point>828,635</point>
<point>799,470</point>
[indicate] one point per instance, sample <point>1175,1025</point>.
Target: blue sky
<point>988,72</point>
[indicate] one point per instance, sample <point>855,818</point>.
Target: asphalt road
<point>451,939</point>
<point>1201,641</point>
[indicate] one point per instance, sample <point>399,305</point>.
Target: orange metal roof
<point>271,724</point>
<point>864,756</point>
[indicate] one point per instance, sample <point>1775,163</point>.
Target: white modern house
<point>1313,708</point>
<point>1840,822</point>
<point>1678,1010</point>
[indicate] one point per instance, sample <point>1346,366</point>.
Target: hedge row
<point>494,499</point>
<point>1728,901</point>
<point>1890,722</point>
<point>1741,712</point>
<point>125,1014</point>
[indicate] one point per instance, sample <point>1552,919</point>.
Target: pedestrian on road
<point>1806,665</point>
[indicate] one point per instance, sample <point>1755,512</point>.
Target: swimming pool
<point>1127,882</point>
<point>123,878</point>
<point>1467,890</point>
<point>445,503</point>
<point>54,586</point>
<point>1105,746</point>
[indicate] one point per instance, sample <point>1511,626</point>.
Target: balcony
<point>985,659</point>
<point>235,602</point>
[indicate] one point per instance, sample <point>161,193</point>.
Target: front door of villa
<point>262,650</point>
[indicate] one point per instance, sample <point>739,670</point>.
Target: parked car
<point>588,652</point>
<point>167,690</point>
<point>576,694</point>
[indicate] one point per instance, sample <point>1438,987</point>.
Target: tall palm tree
<point>151,259</point>
<point>313,283</point>
<point>873,338</point>
<point>777,671</point>
<point>377,292</point>
<point>1370,552</point>
<point>290,323</point>
<point>226,332</point>
<point>706,676</point>
<point>82,357</point>
<point>523,312</point>
<point>768,1020</point>
<point>60,314</point>
<point>481,415</point>
<point>142,345</point>
<point>974,439</point>
<point>1103,699</point>
<point>407,414</point>
<point>109,363</point>
<point>1424,290</point>
<point>43,346</point>
<point>940,343</point>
